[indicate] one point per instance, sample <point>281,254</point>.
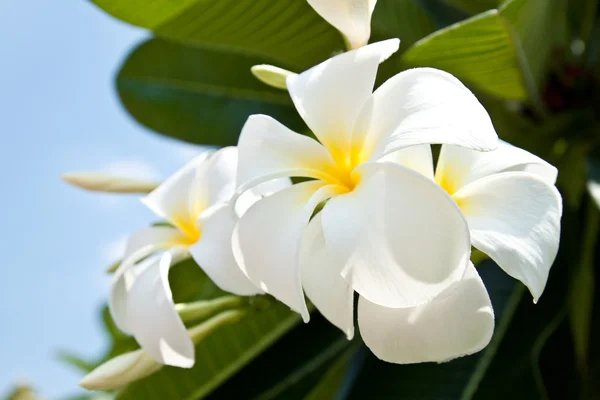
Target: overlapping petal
<point>267,238</point>
<point>422,106</point>
<point>330,95</point>
<point>458,166</point>
<point>401,238</point>
<point>514,217</point>
<point>322,280</point>
<point>150,309</point>
<point>172,200</point>
<point>458,322</point>
<point>213,251</point>
<point>139,246</point>
<point>351,17</point>
<point>269,150</point>
<point>418,158</point>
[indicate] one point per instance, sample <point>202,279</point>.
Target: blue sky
<point>59,112</point>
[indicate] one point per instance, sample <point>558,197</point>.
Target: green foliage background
<point>532,63</point>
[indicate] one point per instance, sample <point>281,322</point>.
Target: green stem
<point>206,308</point>
<point>199,332</point>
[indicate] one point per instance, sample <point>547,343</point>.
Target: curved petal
<point>214,254</point>
<point>322,280</point>
<point>330,95</point>
<point>139,246</point>
<point>172,199</point>
<point>458,322</point>
<point>251,196</point>
<point>352,18</point>
<point>514,218</point>
<point>215,181</point>
<point>269,150</point>
<point>402,239</point>
<point>458,166</point>
<point>422,106</point>
<point>417,158</point>
<point>267,238</point>
<point>154,320</point>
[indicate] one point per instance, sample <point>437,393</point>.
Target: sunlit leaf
<point>289,32</point>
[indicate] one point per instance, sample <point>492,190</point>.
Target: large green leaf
<point>479,51</point>
<point>198,95</point>
<point>452,380</point>
<point>475,6</point>
<point>222,353</point>
<point>287,31</point>
<point>540,26</point>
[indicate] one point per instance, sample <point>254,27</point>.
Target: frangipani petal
<point>172,199</point>
<point>514,218</point>
<point>214,254</point>
<point>154,320</point>
<point>401,238</point>
<point>322,279</point>
<point>140,245</point>
<point>267,238</point>
<point>422,106</point>
<point>458,166</point>
<point>458,322</point>
<point>329,96</point>
<point>418,158</point>
<point>269,150</point>
<point>351,17</point>
<point>215,181</point>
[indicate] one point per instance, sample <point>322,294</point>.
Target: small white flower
<point>351,17</point>
<point>387,232</point>
<point>195,200</point>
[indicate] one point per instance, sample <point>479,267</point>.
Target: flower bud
<point>101,182</point>
<point>272,76</point>
<point>120,371</point>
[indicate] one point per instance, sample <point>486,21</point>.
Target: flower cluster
<point>373,215</point>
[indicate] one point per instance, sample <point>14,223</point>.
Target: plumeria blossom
<point>386,230</point>
<point>351,17</point>
<point>195,201</point>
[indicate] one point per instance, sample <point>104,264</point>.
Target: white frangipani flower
<point>351,17</point>
<point>387,232</point>
<point>513,210</point>
<point>195,201</point>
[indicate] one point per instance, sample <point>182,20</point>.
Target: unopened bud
<point>272,76</point>
<point>120,371</point>
<point>101,182</point>
<point>205,308</point>
<point>199,332</point>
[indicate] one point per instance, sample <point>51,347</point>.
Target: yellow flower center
<point>345,162</point>
<point>190,230</point>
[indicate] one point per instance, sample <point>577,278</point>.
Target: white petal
<point>351,17</point>
<point>139,246</point>
<point>269,150</point>
<point>458,322</point>
<point>251,196</point>
<point>402,238</point>
<point>154,321</point>
<point>422,106</point>
<point>172,199</point>
<point>330,95</point>
<point>418,158</point>
<point>267,238</point>
<point>322,279</point>
<point>458,166</point>
<point>214,255</point>
<point>514,217</point>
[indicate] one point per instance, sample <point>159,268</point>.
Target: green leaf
<point>452,380</point>
<point>581,290</point>
<point>198,95</point>
<point>330,384</point>
<point>474,6</point>
<point>479,51</point>
<point>221,354</point>
<point>540,25</point>
<point>287,31</point>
